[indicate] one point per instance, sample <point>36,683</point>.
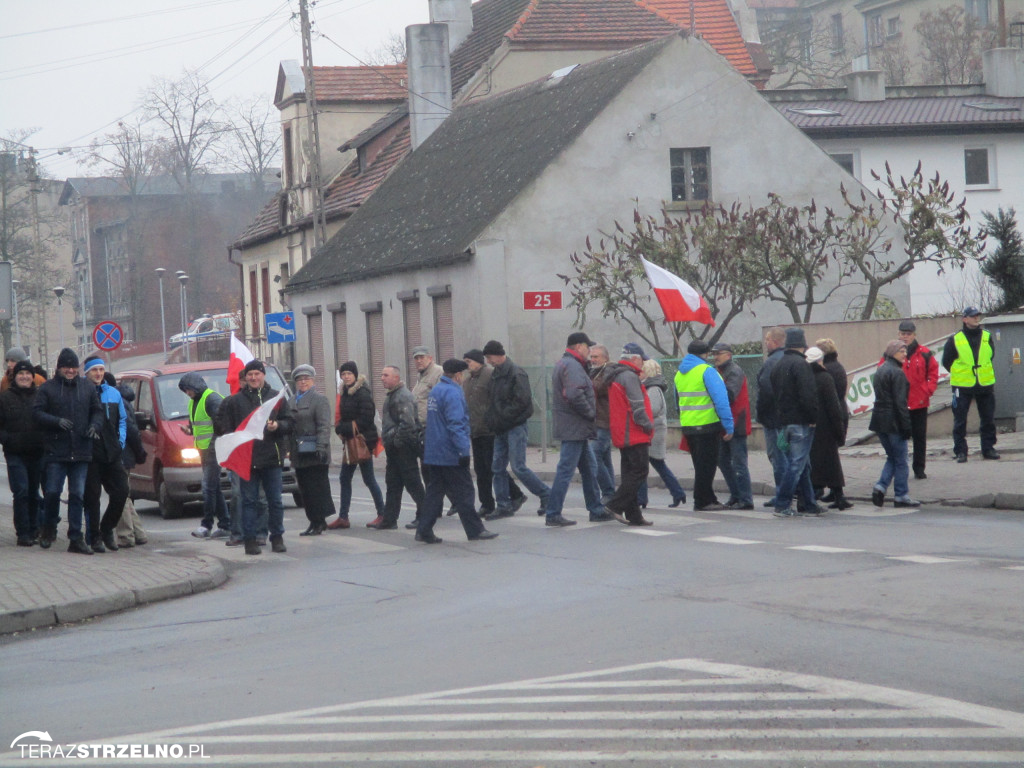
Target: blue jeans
<point>369,479</point>
<point>510,447</point>
<point>775,458</point>
<point>25,476</point>
<point>214,504</point>
<point>269,478</point>
<point>896,470</point>
<point>602,445</point>
<point>75,473</point>
<point>575,453</point>
<point>236,508</point>
<point>732,461</point>
<point>667,477</point>
<point>796,477</point>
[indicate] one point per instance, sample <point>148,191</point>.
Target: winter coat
<point>108,446</point>
<point>447,438</point>
<point>400,421</point>
<point>839,377</point>
<point>511,401</point>
<point>890,413</point>
<point>357,405</point>
<point>629,407</point>
<point>311,417</point>
<point>7,381</point>
<point>974,337</point>
<point>573,404</point>
<point>270,450</point>
<point>656,387</point>
<point>829,433</point>
<point>922,372</point>
<point>474,387</point>
<point>75,400</point>
<point>739,399</point>
<point>427,380</point>
<point>765,396</point>
<point>714,384</point>
<point>796,397</point>
<point>600,378</point>
<point>134,452</point>
<point>18,431</point>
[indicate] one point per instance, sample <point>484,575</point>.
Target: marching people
<point>428,373</point>
<point>23,450</point>
<point>355,417</point>
<point>629,413</point>
<point>922,371</point>
<point>447,453</point>
<point>203,405</point>
<point>705,418</point>
<point>796,411</point>
<point>890,420</point>
<point>968,356</point>
<point>732,454</point>
<point>311,449</point>
<point>774,341</point>
<point>573,408</point>
<point>67,409</point>
<point>831,363</point>
<point>129,530</point>
<point>401,433</point>
<point>654,382</point>
<point>602,442</point>
<point>106,470</point>
<point>829,433</point>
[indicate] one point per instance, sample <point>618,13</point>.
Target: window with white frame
<point>836,28</point>
<point>978,9</point>
<point>893,27</point>
<point>691,174</point>
<point>875,36</point>
<point>978,170</point>
<point>848,160</point>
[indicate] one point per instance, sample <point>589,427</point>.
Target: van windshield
<point>172,401</point>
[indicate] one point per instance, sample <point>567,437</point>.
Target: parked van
<point>206,327</point>
<point>172,474</point>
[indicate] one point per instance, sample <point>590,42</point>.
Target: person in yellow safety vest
<point>203,404</point>
<point>968,356</point>
<point>706,419</point>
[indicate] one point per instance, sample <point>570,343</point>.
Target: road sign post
<point>543,300</point>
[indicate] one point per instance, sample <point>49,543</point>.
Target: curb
<point>211,575</point>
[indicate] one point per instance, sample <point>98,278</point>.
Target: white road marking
<point>1013,568</point>
<point>728,540</point>
<point>649,532</point>
<point>819,548</point>
<point>925,559</point>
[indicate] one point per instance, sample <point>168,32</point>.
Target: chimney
<point>457,14</point>
<point>1004,72</point>
<point>430,79</point>
<point>865,85</point>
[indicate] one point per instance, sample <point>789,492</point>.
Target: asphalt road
<point>863,638</point>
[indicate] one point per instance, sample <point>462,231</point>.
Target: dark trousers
<point>919,433</point>
<point>986,401</point>
<point>483,458</point>
<point>315,487</point>
<point>111,477</point>
<point>704,455</point>
<point>402,472</point>
<point>633,468</point>
<point>25,476</point>
<point>457,484</point>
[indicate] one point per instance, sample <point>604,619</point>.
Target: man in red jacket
<point>922,371</point>
<point>632,426</point>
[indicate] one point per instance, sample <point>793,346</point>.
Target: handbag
<point>356,450</point>
<point>306,444</point>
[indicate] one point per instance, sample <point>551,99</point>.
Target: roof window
<point>991,106</point>
<point>814,111</point>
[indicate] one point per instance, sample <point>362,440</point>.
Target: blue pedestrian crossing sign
<point>280,327</point>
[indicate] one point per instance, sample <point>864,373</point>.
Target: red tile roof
<point>595,22</point>
<point>714,22</point>
<point>383,83</point>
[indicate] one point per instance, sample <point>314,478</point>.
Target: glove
<point>66,424</point>
<point>464,462</point>
<point>92,434</point>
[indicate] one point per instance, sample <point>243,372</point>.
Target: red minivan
<point>172,474</point>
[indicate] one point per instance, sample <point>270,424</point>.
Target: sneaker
<point>557,521</point>
<point>786,513</point>
<point>252,547</point>
<point>877,497</point>
<point>277,544</point>
<point>79,547</point>
<point>220,533</point>
<point>906,501</point>
<point>202,532</point>
<point>990,454</point>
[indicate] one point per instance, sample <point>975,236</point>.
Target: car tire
<point>169,508</point>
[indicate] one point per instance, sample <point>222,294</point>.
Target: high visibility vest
<point>202,424</point>
<point>966,371</point>
<point>696,408</point>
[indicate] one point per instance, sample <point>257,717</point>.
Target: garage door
<point>316,349</point>
<point>375,345</point>
<point>444,327</point>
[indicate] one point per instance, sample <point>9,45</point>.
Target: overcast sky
<point>73,68</point>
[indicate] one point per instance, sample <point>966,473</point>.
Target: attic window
<point>814,111</point>
<point>991,106</point>
<point>558,74</point>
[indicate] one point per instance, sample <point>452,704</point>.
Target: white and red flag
<point>240,355</point>
<point>679,301</point>
<point>234,450</point>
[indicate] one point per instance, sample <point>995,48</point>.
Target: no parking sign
<point>107,336</point>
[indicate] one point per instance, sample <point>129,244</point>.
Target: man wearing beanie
<point>968,356</point>
<point>23,450</point>
<point>17,355</point>
<point>796,410</point>
<point>922,371</point>
<point>67,410</point>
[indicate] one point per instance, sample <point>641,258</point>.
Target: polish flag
<point>234,450</point>
<point>679,301</point>
<point>240,355</point>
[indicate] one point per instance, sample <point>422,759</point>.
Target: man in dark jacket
<point>968,356</point>
<point>106,470</point>
<point>511,405</point>
<point>204,403</point>
<point>890,420</point>
<point>796,409</point>
<point>267,456</point>
<point>23,449</point>
<point>401,434</point>
<point>602,442</point>
<point>732,454</point>
<point>67,410</point>
<point>774,340</point>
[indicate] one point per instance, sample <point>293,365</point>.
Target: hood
<point>690,362</point>
<point>192,380</point>
<point>359,382</point>
<point>656,381</point>
<point>127,393</point>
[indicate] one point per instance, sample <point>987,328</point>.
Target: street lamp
<point>183,279</point>
<point>17,322</point>
<point>58,291</point>
<point>163,323</point>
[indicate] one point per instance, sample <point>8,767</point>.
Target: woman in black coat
<point>23,449</point>
<point>829,434</point>
<point>890,420</point>
<point>356,406</point>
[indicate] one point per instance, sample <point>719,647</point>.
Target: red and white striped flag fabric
<point>679,301</point>
<point>240,355</point>
<point>234,450</point>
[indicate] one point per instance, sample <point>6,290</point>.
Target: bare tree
<point>805,53</point>
<point>390,51</point>
<point>895,62</point>
<point>129,153</point>
<point>253,145</point>
<point>952,42</point>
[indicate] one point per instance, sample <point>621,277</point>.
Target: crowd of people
<point>472,413</point>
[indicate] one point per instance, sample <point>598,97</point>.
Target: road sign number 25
<point>542,299</point>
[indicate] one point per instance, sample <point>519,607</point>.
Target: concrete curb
<point>211,575</point>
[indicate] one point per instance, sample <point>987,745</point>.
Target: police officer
<point>968,357</point>
<point>203,405</point>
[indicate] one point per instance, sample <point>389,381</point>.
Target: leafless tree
<point>390,51</point>
<point>895,62</point>
<point>951,45</point>
<point>253,145</point>
<point>804,53</point>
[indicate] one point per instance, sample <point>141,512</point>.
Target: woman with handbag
<point>311,449</point>
<point>357,429</point>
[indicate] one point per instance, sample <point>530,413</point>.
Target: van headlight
<point>190,454</point>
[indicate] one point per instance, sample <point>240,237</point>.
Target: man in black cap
<point>922,372</point>
<point>968,356</point>
<point>796,408</point>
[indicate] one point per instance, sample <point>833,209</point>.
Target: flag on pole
<point>240,355</point>
<point>679,301</point>
<point>234,450</point>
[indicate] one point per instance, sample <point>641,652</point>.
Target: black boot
<point>841,502</point>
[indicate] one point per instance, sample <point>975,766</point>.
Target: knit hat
<point>349,366</point>
<point>813,354</point>
<point>893,347</point>
<point>108,378</point>
<point>453,365</point>
<point>475,355</point>
<point>632,348</point>
<point>303,370</point>
<point>578,337</point>
<point>907,326</point>
<point>67,358</point>
<point>254,365</point>
<point>697,347</point>
<point>22,365</point>
<point>493,347</point>
<point>795,338</point>
<point>15,354</point>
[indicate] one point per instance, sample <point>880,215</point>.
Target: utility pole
<point>313,129</point>
<point>33,179</point>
